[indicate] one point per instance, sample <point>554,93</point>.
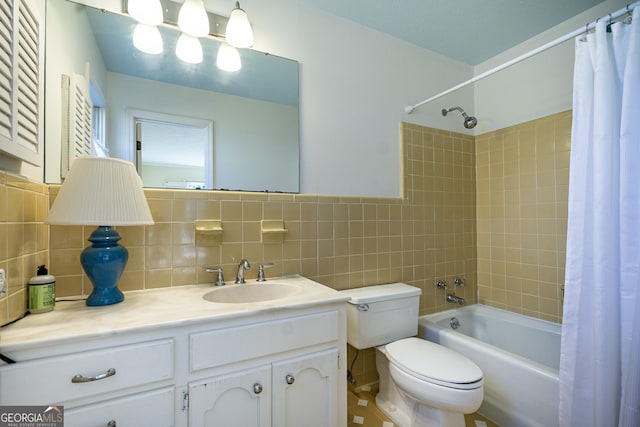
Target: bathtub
<point>519,357</point>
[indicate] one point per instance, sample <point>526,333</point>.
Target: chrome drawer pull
<point>290,379</point>
<point>257,388</point>
<point>82,379</point>
<point>111,423</point>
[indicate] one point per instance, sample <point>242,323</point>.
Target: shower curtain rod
<point>618,13</point>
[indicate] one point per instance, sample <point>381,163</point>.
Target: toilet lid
<point>434,363</point>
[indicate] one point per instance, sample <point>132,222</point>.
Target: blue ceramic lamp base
<point>104,262</point>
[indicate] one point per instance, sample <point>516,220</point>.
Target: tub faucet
<point>244,265</point>
<point>455,299</point>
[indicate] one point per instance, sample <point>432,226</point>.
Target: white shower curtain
<point>599,368</point>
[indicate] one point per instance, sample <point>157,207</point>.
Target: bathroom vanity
<point>170,357</point>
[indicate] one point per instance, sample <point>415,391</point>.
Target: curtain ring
<point>586,32</point>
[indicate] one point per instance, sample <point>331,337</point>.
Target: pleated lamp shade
<point>101,191</point>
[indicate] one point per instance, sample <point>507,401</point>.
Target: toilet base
<point>404,410</point>
<point>418,415</point>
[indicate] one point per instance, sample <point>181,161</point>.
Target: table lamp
<point>104,192</point>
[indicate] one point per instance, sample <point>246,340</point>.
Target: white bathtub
<point>519,357</point>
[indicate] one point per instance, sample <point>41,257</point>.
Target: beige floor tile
<point>363,412</point>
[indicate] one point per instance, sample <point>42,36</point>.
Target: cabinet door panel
<point>306,390</point>
<point>238,399</point>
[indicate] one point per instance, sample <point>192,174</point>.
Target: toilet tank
<point>381,314</point>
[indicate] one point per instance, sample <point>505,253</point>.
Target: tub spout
<point>455,299</point>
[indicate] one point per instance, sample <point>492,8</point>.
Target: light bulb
<point>189,49</point>
<point>147,12</point>
<point>228,58</point>
<point>239,32</point>
<point>147,38</point>
<point>193,19</point>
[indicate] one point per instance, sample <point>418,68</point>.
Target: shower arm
<point>445,111</point>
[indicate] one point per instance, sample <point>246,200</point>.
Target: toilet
<point>422,384</point>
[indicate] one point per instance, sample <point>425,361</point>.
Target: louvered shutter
<point>20,81</point>
<point>77,111</point>
<point>6,72</point>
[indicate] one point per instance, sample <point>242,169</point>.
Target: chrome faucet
<point>244,265</point>
<point>441,284</point>
<point>455,299</point>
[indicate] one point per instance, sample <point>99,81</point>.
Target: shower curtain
<point>599,368</point>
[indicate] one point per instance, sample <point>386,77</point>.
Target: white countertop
<point>149,310</point>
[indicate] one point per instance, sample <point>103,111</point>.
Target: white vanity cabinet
<point>291,392</point>
<point>170,358</point>
<point>290,374</point>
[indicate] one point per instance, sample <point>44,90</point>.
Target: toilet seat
<point>434,363</point>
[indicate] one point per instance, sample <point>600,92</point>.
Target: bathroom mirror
<point>251,115</point>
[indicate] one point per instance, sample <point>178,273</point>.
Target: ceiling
<point>469,31</point>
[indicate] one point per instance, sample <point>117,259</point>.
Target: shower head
<point>469,122</point>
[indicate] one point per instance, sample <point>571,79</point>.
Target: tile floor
<point>362,412</point>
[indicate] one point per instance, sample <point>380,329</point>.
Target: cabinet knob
<point>290,379</point>
<point>111,423</point>
<point>257,388</point>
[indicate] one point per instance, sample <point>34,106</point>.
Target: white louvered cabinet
<point>21,83</point>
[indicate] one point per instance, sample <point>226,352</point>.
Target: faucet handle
<point>458,282</point>
<point>220,279</point>
<point>261,268</point>
<point>441,284</point>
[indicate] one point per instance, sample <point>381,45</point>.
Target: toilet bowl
<point>425,384</point>
<point>422,384</point>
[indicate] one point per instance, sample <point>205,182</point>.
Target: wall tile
<point>528,190</point>
<point>23,240</point>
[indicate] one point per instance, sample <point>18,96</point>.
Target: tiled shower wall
<point>24,240</point>
<point>522,191</point>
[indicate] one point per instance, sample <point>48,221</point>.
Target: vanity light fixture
<point>99,191</point>
<point>189,49</point>
<point>239,32</point>
<point>193,19</point>
<point>147,12</point>
<point>147,38</point>
<point>228,58</point>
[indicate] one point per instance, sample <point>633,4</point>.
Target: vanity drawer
<point>228,345</point>
<point>153,408</point>
<point>62,379</point>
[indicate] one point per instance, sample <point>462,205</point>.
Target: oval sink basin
<point>255,292</point>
